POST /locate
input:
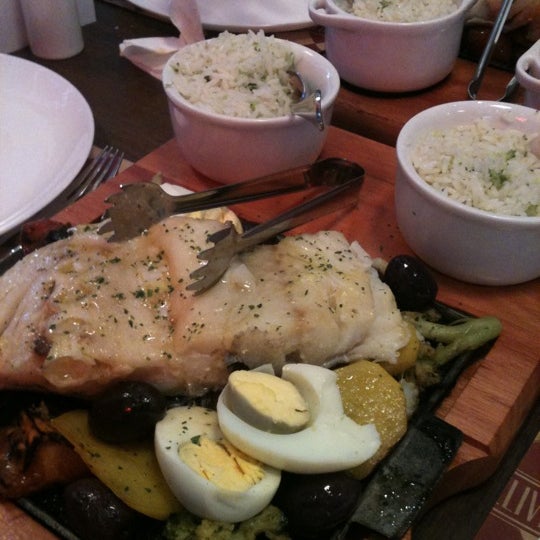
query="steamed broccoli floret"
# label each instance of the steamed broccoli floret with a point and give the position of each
(450, 340)
(269, 524)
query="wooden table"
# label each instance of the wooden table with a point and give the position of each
(130, 112)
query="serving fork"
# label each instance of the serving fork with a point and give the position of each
(151, 204)
(228, 242)
(99, 169)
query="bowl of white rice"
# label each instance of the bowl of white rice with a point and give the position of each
(467, 191)
(391, 45)
(230, 103)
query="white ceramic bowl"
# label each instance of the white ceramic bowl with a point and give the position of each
(390, 56)
(229, 149)
(458, 240)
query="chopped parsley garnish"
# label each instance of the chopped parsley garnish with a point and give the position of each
(498, 178)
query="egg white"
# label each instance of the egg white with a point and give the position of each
(331, 441)
(196, 493)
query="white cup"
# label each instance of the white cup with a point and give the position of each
(528, 75)
(87, 11)
(12, 29)
(53, 28)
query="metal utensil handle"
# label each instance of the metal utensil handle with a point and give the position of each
(476, 81)
(325, 203)
(311, 109)
(329, 171)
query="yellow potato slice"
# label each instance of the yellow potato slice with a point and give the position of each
(371, 395)
(131, 470)
(407, 355)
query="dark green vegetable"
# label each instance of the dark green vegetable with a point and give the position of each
(498, 178)
(449, 341)
(128, 411)
(269, 524)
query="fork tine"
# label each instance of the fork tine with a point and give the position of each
(200, 272)
(214, 238)
(88, 173)
(218, 258)
(108, 170)
(210, 273)
(104, 166)
(203, 284)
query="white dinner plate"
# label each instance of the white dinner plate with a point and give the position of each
(242, 15)
(46, 134)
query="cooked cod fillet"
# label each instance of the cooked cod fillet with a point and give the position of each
(81, 313)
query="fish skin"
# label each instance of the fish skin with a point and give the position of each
(82, 313)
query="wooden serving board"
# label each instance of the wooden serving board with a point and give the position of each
(491, 400)
(493, 397)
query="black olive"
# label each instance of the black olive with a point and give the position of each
(413, 286)
(63, 231)
(316, 504)
(127, 411)
(93, 511)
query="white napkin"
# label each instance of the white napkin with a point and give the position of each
(151, 54)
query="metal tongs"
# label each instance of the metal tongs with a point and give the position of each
(139, 206)
(476, 81)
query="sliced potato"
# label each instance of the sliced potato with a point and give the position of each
(407, 355)
(131, 470)
(371, 395)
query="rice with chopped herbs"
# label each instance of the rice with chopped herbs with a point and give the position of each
(237, 75)
(404, 11)
(490, 168)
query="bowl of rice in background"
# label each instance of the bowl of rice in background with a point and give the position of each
(229, 101)
(467, 191)
(389, 45)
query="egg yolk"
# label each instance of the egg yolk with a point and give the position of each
(267, 402)
(221, 463)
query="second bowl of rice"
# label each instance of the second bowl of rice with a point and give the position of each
(391, 46)
(229, 100)
(467, 191)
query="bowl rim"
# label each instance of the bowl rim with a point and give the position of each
(414, 126)
(347, 17)
(237, 121)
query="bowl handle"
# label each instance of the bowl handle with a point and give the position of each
(529, 62)
(323, 14)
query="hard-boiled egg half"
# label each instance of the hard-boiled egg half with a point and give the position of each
(210, 477)
(313, 435)
(226, 466)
